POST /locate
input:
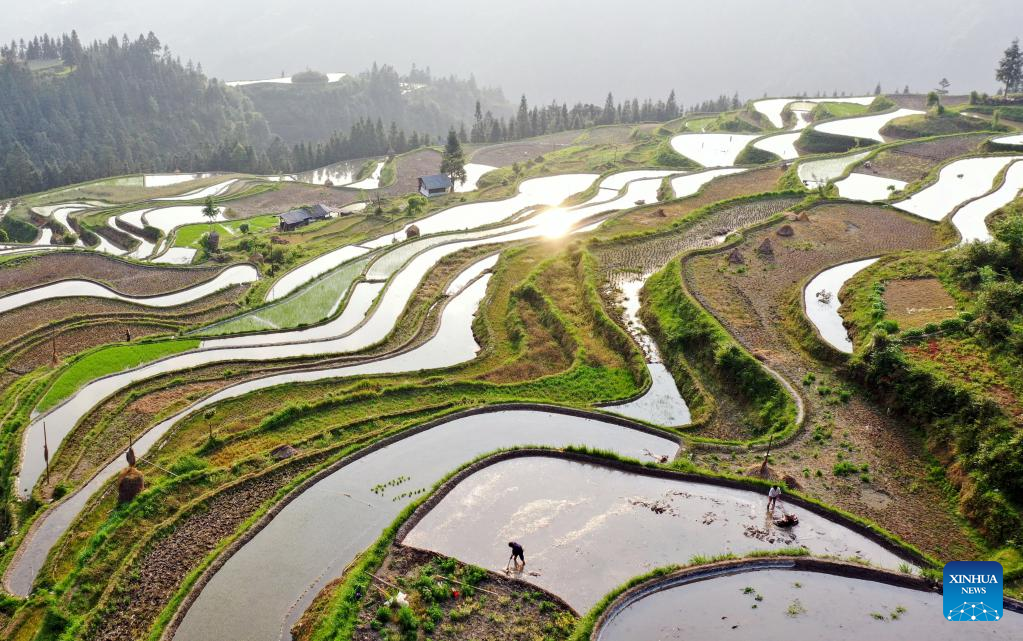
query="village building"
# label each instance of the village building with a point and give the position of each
(435, 185)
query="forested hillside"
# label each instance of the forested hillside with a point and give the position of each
(110, 108)
(71, 113)
(311, 111)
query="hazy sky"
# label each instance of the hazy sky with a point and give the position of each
(571, 49)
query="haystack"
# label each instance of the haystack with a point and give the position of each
(802, 217)
(282, 452)
(766, 248)
(786, 231)
(412, 232)
(130, 485)
(736, 257)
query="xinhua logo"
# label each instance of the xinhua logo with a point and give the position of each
(972, 591)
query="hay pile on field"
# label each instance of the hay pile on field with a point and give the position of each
(130, 485)
(766, 248)
(282, 452)
(786, 231)
(736, 257)
(412, 232)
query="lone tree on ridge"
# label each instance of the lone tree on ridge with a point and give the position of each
(453, 162)
(1010, 68)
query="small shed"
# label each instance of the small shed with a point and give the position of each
(435, 185)
(301, 217)
(293, 219)
(320, 211)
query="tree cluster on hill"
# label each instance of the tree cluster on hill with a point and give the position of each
(120, 106)
(417, 101)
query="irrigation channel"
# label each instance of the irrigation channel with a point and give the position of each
(781, 600)
(360, 325)
(262, 589)
(402, 267)
(588, 528)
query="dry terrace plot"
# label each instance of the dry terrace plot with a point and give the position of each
(913, 161)
(409, 167)
(731, 186)
(28, 321)
(290, 195)
(124, 277)
(505, 154)
(917, 302)
(754, 300)
(487, 605)
(918, 101)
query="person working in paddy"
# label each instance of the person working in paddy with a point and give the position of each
(518, 554)
(772, 497)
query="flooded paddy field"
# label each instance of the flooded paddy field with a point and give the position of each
(588, 528)
(780, 604)
(264, 586)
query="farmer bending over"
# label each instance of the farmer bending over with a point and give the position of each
(518, 554)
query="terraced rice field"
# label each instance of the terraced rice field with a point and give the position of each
(287, 405)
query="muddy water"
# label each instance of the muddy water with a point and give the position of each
(549, 190)
(958, 182)
(712, 150)
(971, 219)
(342, 173)
(824, 313)
(453, 343)
(316, 267)
(781, 145)
(772, 107)
(62, 419)
(266, 585)
(818, 172)
(587, 529)
(823, 606)
(373, 182)
(165, 180)
(662, 404)
(473, 172)
(863, 126)
(218, 189)
(1009, 140)
(867, 187)
(73, 288)
(690, 183)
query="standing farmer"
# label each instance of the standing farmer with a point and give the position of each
(518, 554)
(772, 497)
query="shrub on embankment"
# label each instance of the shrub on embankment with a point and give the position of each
(751, 155)
(812, 141)
(967, 419)
(987, 449)
(684, 329)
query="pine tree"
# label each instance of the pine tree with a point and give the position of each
(453, 161)
(522, 118)
(671, 107)
(1010, 68)
(609, 113)
(877, 89)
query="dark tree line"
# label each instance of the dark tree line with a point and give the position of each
(121, 106)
